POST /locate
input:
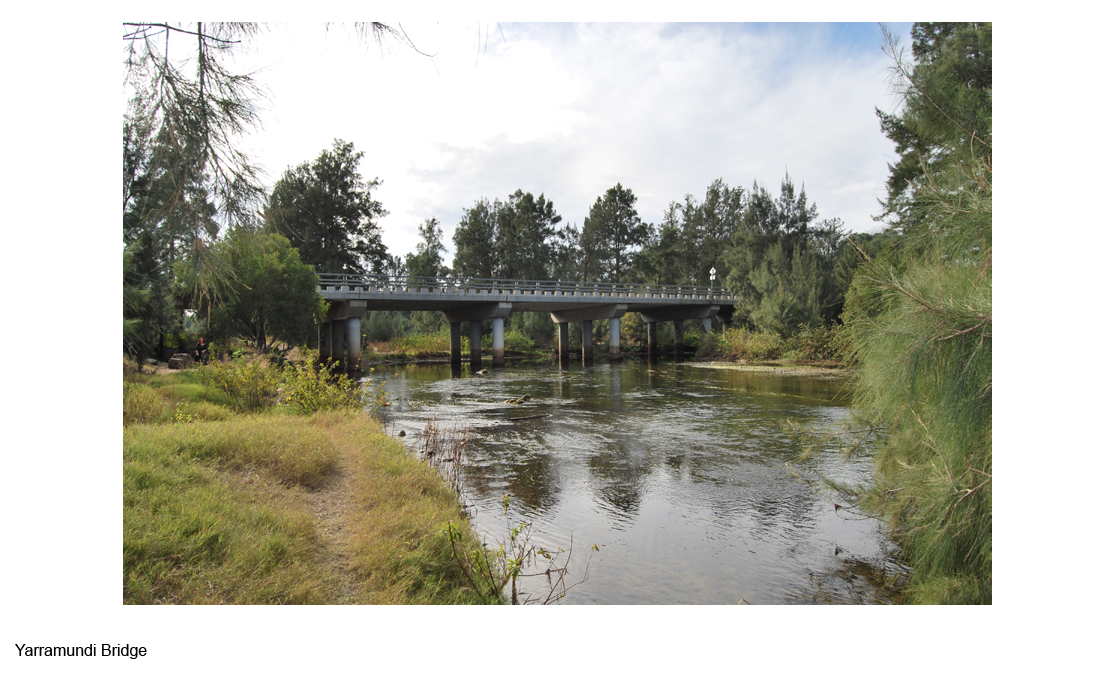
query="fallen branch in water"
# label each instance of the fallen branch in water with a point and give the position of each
(527, 418)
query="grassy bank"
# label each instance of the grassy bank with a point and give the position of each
(277, 506)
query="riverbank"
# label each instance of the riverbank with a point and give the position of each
(276, 507)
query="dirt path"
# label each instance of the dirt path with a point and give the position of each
(331, 507)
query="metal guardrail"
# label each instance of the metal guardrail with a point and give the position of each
(500, 286)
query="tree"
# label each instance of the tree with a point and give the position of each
(327, 211)
(780, 264)
(184, 176)
(475, 239)
(524, 237)
(426, 260)
(276, 304)
(919, 312)
(613, 233)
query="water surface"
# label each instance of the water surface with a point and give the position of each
(677, 472)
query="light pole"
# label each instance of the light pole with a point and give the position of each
(711, 279)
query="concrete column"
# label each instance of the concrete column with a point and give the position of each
(613, 339)
(353, 363)
(324, 342)
(497, 342)
(563, 342)
(455, 344)
(586, 340)
(474, 342)
(652, 339)
(338, 349)
(706, 325)
(679, 339)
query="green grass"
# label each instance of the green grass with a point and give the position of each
(223, 510)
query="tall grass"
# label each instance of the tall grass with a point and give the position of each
(219, 512)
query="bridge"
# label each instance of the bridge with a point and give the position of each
(473, 300)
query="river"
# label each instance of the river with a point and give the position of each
(682, 475)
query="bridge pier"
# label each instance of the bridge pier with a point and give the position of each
(586, 341)
(706, 325)
(353, 363)
(497, 342)
(337, 348)
(497, 311)
(613, 339)
(474, 342)
(563, 342)
(679, 339)
(652, 339)
(455, 344)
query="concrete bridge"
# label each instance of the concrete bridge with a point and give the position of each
(473, 300)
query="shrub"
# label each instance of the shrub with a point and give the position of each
(818, 343)
(249, 382)
(514, 341)
(307, 388)
(739, 344)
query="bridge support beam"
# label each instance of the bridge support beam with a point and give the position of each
(563, 342)
(324, 341)
(497, 342)
(338, 348)
(455, 344)
(706, 325)
(586, 341)
(679, 339)
(353, 363)
(652, 339)
(474, 342)
(613, 339)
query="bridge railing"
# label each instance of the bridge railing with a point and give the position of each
(502, 286)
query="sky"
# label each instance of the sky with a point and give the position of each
(570, 110)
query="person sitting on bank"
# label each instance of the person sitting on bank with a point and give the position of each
(201, 350)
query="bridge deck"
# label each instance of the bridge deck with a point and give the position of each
(397, 293)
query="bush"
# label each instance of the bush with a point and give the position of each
(739, 344)
(250, 383)
(308, 388)
(514, 341)
(819, 343)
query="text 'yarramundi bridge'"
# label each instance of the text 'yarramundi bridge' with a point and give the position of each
(475, 299)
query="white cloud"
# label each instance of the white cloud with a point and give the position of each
(570, 110)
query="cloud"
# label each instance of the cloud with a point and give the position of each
(572, 109)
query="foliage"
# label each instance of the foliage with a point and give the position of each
(781, 265)
(919, 313)
(514, 341)
(740, 344)
(507, 239)
(327, 211)
(611, 236)
(249, 382)
(309, 388)
(525, 228)
(274, 302)
(819, 342)
(425, 262)
(475, 240)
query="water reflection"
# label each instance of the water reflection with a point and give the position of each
(676, 471)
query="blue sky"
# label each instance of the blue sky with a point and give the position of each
(570, 110)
